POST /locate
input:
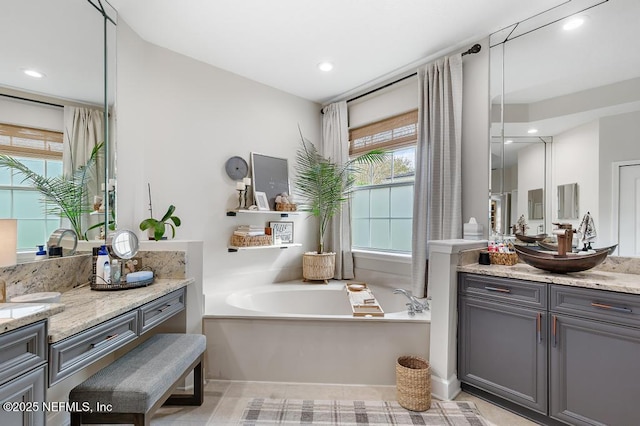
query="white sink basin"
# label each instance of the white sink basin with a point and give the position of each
(44, 297)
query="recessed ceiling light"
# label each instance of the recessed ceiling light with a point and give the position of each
(508, 141)
(531, 131)
(325, 66)
(573, 23)
(33, 73)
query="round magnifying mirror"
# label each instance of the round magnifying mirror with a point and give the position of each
(124, 243)
(64, 238)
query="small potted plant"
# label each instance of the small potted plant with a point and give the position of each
(324, 186)
(156, 228)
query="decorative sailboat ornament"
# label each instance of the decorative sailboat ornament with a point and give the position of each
(587, 230)
(521, 225)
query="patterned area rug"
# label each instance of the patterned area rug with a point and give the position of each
(260, 411)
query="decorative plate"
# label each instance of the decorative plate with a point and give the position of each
(236, 168)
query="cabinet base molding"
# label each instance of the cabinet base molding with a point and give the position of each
(445, 389)
(510, 406)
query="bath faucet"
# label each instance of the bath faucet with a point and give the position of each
(414, 304)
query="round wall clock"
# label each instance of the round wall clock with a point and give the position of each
(236, 168)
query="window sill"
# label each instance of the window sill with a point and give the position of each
(382, 256)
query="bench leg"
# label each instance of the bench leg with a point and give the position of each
(198, 390)
(137, 419)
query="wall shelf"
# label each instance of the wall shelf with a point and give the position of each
(243, 211)
(233, 249)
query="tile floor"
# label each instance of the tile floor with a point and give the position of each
(224, 402)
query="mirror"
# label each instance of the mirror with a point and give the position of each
(568, 201)
(65, 239)
(72, 43)
(535, 204)
(124, 243)
(579, 92)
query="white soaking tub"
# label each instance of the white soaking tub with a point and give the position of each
(300, 332)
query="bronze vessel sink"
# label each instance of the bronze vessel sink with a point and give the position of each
(554, 247)
(530, 238)
(571, 262)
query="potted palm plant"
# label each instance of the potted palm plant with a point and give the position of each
(64, 195)
(324, 186)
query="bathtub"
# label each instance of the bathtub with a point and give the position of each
(299, 332)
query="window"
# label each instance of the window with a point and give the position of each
(382, 201)
(41, 151)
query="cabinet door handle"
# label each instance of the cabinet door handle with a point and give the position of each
(539, 327)
(105, 341)
(168, 305)
(501, 290)
(553, 330)
(612, 308)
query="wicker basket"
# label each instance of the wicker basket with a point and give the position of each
(508, 259)
(247, 241)
(318, 266)
(413, 383)
(281, 207)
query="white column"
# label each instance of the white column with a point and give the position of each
(442, 288)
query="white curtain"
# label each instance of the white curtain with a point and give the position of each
(83, 130)
(437, 206)
(335, 145)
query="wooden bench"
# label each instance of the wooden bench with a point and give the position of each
(131, 388)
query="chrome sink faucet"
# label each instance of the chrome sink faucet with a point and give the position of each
(414, 304)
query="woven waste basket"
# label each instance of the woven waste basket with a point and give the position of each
(413, 383)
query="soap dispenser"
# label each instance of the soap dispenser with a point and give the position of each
(41, 254)
(103, 266)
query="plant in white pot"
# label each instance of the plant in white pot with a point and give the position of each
(324, 186)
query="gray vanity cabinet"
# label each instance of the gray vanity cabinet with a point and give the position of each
(502, 340)
(23, 358)
(594, 355)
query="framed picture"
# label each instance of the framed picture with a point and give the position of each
(282, 230)
(270, 175)
(261, 201)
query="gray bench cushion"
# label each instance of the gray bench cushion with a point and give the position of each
(134, 382)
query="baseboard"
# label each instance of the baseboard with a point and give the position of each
(445, 390)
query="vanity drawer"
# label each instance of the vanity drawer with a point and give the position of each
(520, 292)
(153, 313)
(22, 349)
(620, 308)
(74, 353)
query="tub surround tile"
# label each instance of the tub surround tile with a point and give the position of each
(469, 257)
(85, 308)
(164, 264)
(16, 315)
(593, 278)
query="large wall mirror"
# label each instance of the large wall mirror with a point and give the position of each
(73, 43)
(566, 111)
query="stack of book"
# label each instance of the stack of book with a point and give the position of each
(249, 230)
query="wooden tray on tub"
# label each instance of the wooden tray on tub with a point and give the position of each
(363, 302)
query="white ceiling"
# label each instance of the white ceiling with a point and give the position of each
(280, 42)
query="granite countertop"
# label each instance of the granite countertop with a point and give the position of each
(593, 278)
(16, 315)
(84, 308)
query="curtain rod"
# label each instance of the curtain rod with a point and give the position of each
(472, 50)
(20, 98)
